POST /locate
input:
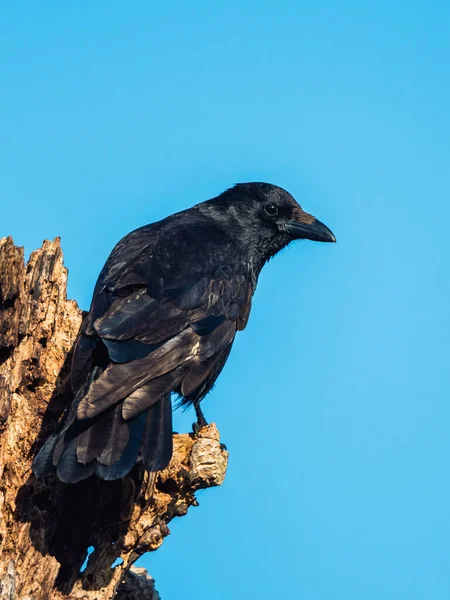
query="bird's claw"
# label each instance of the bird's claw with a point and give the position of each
(198, 425)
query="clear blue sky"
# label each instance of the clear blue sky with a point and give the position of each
(335, 402)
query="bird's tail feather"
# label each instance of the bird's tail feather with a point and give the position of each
(156, 447)
(68, 469)
(43, 461)
(127, 459)
(107, 445)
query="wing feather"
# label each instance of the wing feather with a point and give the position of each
(119, 380)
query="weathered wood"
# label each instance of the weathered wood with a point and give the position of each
(45, 526)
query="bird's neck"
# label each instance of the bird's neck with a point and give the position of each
(262, 250)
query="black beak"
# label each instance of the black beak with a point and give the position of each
(315, 231)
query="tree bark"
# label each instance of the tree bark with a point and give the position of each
(46, 527)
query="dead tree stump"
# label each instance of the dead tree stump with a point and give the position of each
(46, 526)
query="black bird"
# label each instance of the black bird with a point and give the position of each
(165, 311)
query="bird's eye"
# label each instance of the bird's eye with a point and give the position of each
(271, 210)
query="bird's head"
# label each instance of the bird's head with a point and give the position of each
(265, 218)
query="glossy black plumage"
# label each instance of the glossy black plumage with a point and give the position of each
(165, 311)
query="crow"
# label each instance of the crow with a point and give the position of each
(165, 311)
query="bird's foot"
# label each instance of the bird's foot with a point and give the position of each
(201, 421)
(198, 425)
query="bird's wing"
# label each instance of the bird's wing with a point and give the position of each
(167, 318)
